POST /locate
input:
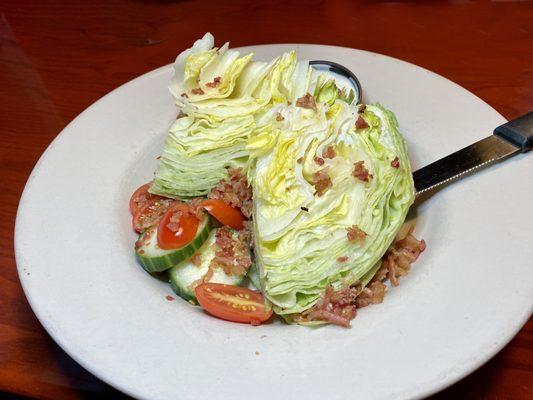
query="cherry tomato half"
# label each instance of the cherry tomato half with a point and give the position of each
(176, 234)
(224, 213)
(150, 213)
(232, 303)
(140, 197)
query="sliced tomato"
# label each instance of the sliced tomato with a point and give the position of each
(150, 213)
(224, 213)
(171, 237)
(232, 303)
(140, 197)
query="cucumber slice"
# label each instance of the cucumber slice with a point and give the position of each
(184, 275)
(155, 259)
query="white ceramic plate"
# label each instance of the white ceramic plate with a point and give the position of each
(466, 297)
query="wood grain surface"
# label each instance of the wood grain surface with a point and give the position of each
(58, 57)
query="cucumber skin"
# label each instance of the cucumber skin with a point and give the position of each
(182, 293)
(167, 261)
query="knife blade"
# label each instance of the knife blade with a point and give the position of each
(507, 140)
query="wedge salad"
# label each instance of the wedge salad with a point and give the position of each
(275, 193)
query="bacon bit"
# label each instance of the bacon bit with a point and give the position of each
(361, 109)
(322, 182)
(372, 294)
(398, 259)
(174, 224)
(235, 191)
(307, 101)
(304, 209)
(360, 172)
(279, 117)
(196, 208)
(158, 158)
(184, 95)
(153, 213)
(300, 160)
(231, 255)
(342, 259)
(329, 153)
(361, 123)
(215, 82)
(319, 161)
(334, 307)
(141, 251)
(248, 228)
(197, 91)
(355, 234)
(395, 163)
(197, 259)
(169, 298)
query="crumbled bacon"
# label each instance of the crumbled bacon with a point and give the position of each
(169, 298)
(342, 259)
(319, 161)
(300, 160)
(184, 95)
(197, 91)
(329, 153)
(372, 294)
(395, 163)
(215, 82)
(361, 172)
(321, 181)
(248, 228)
(174, 223)
(235, 191)
(361, 109)
(336, 307)
(231, 255)
(279, 117)
(355, 234)
(196, 208)
(307, 101)
(152, 212)
(361, 123)
(397, 261)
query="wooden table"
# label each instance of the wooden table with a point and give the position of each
(58, 57)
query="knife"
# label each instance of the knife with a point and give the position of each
(507, 140)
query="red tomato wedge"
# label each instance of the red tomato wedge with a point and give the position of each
(140, 197)
(224, 213)
(232, 303)
(150, 213)
(177, 227)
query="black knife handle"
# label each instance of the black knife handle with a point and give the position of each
(518, 132)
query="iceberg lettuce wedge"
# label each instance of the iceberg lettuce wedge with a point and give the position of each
(299, 235)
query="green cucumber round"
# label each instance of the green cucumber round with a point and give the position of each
(184, 275)
(155, 259)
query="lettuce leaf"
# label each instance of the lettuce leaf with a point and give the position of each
(222, 96)
(299, 235)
